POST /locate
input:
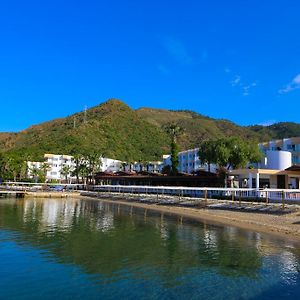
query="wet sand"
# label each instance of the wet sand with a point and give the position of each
(286, 225)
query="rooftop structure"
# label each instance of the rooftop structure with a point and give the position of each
(291, 145)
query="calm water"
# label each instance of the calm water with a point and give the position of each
(81, 249)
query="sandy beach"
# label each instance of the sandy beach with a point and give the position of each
(285, 225)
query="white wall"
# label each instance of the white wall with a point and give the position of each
(110, 165)
(278, 160)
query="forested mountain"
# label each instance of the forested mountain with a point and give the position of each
(277, 131)
(115, 130)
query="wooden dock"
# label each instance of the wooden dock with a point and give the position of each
(15, 194)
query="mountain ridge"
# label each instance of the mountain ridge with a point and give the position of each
(115, 130)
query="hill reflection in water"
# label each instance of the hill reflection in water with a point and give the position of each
(118, 251)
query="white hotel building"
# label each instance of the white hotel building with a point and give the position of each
(291, 145)
(189, 162)
(277, 156)
(279, 167)
(56, 162)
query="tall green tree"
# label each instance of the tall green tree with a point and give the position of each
(14, 167)
(207, 152)
(231, 152)
(3, 166)
(174, 131)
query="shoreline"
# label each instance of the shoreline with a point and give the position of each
(285, 226)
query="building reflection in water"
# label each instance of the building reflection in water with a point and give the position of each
(191, 243)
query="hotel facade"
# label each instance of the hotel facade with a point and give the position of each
(189, 162)
(291, 145)
(279, 168)
(58, 164)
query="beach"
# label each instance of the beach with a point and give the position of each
(282, 225)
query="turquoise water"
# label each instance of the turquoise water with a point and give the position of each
(85, 249)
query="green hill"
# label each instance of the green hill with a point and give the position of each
(277, 131)
(112, 129)
(196, 127)
(115, 130)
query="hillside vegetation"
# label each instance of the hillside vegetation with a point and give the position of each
(115, 130)
(277, 131)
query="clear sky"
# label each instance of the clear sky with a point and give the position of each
(232, 59)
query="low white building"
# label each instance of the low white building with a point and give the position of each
(276, 170)
(110, 165)
(189, 162)
(150, 166)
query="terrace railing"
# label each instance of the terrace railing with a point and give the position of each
(235, 194)
(261, 195)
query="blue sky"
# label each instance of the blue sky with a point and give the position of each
(237, 60)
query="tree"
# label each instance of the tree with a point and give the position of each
(241, 152)
(13, 166)
(93, 164)
(174, 158)
(230, 152)
(78, 161)
(174, 130)
(3, 166)
(84, 172)
(44, 168)
(66, 171)
(207, 152)
(36, 173)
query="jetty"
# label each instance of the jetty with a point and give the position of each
(15, 194)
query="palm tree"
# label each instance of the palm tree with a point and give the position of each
(66, 171)
(35, 173)
(94, 165)
(174, 130)
(78, 161)
(44, 168)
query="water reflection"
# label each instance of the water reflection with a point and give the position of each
(113, 243)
